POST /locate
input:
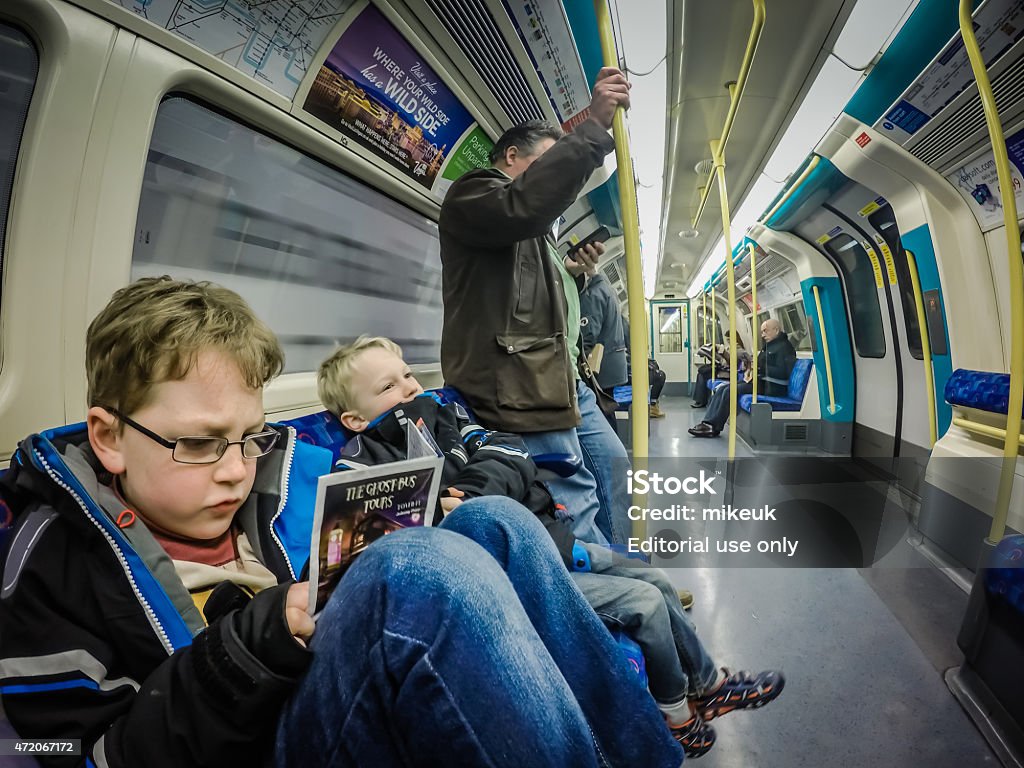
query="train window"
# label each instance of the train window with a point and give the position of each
(861, 293)
(884, 221)
(320, 256)
(670, 337)
(19, 64)
(794, 323)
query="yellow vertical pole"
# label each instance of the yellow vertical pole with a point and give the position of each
(825, 352)
(718, 155)
(756, 326)
(1009, 202)
(634, 268)
(704, 313)
(714, 334)
(926, 348)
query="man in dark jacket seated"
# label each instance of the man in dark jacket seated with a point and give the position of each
(775, 363)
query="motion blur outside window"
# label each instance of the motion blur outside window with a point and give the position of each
(320, 256)
(19, 64)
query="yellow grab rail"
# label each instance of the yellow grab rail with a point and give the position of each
(735, 94)
(824, 349)
(789, 192)
(714, 333)
(926, 349)
(634, 269)
(1009, 202)
(984, 429)
(718, 153)
(704, 313)
(754, 324)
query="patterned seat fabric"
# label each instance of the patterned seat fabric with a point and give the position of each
(983, 390)
(1005, 575)
(623, 395)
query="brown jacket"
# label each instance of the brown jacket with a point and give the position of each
(503, 344)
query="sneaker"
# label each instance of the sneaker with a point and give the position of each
(741, 691)
(655, 412)
(685, 598)
(696, 736)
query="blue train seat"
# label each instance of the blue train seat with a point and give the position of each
(623, 396)
(1004, 578)
(981, 390)
(794, 399)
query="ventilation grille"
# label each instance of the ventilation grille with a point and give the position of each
(473, 28)
(767, 266)
(611, 271)
(793, 433)
(962, 124)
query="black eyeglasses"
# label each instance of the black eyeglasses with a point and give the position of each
(205, 449)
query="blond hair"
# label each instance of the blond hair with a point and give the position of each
(154, 330)
(334, 380)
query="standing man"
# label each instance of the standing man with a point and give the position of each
(511, 309)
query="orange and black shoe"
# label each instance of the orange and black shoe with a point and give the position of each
(696, 736)
(741, 690)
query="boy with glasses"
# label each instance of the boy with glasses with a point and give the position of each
(149, 607)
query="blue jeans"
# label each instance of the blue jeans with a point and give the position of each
(638, 598)
(439, 649)
(718, 409)
(595, 497)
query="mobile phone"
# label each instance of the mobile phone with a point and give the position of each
(597, 236)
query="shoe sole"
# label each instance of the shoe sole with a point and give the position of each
(726, 707)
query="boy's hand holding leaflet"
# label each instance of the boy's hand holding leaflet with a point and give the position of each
(356, 507)
(450, 499)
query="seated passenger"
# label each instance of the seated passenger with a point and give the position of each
(430, 651)
(656, 377)
(368, 386)
(721, 369)
(775, 363)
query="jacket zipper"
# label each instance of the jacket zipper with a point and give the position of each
(150, 613)
(285, 477)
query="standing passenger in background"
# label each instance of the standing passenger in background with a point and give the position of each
(656, 377)
(511, 309)
(602, 334)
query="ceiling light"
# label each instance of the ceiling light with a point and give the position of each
(689, 234)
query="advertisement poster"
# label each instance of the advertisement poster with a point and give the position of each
(998, 24)
(544, 30)
(978, 183)
(375, 89)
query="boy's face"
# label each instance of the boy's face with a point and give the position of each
(194, 501)
(380, 381)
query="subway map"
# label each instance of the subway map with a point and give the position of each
(272, 41)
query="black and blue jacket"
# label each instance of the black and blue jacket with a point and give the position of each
(477, 461)
(100, 640)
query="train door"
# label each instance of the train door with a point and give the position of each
(874, 222)
(670, 341)
(879, 383)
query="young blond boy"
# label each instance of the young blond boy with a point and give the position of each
(148, 605)
(374, 394)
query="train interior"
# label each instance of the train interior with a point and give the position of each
(866, 218)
